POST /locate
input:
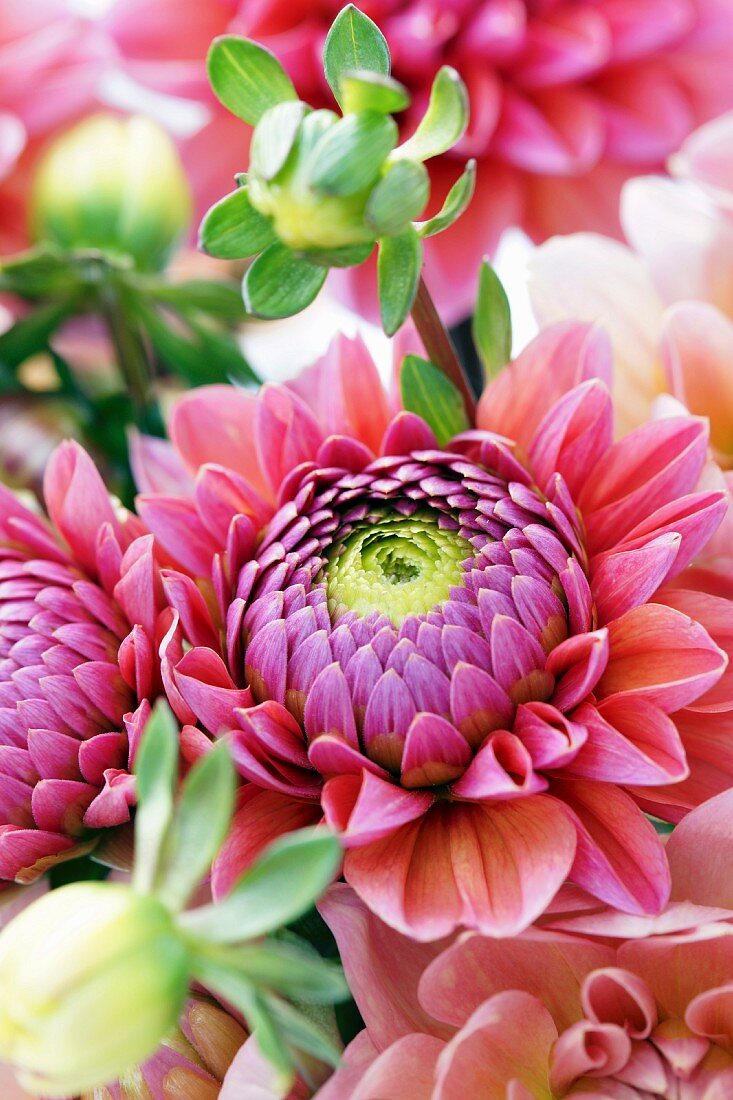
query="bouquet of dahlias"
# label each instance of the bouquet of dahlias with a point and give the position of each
(368, 734)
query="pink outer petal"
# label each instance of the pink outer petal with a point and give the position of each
(216, 424)
(78, 502)
(261, 817)
(560, 358)
(286, 433)
(366, 808)
(412, 1058)
(203, 681)
(507, 1042)
(252, 1076)
(614, 996)
(383, 968)
(588, 1049)
(619, 858)
(678, 916)
(489, 867)
(574, 434)
(157, 467)
(549, 965)
(700, 854)
(715, 614)
(711, 1015)
(358, 1056)
(628, 578)
(661, 655)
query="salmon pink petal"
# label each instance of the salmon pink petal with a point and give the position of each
(205, 685)
(333, 756)
(157, 467)
(502, 768)
(503, 1049)
(574, 434)
(269, 749)
(551, 739)
(261, 817)
(548, 965)
(412, 1058)
(700, 857)
(561, 357)
(367, 808)
(715, 614)
(356, 1059)
(619, 857)
(286, 433)
(678, 968)
(178, 529)
(383, 968)
(614, 996)
(629, 741)
(493, 868)
(77, 501)
(588, 1049)
(661, 655)
(184, 595)
(627, 578)
(221, 495)
(111, 806)
(435, 752)
(578, 664)
(711, 1015)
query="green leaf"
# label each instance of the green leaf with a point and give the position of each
(303, 1033)
(31, 333)
(443, 123)
(365, 91)
(279, 887)
(40, 272)
(156, 771)
(213, 297)
(200, 823)
(247, 78)
(429, 393)
(455, 203)
(398, 273)
(350, 255)
(349, 156)
(198, 354)
(232, 228)
(354, 43)
(294, 971)
(399, 197)
(274, 137)
(279, 283)
(492, 322)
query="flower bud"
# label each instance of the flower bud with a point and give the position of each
(92, 977)
(114, 184)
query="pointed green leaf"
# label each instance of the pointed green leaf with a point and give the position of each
(156, 772)
(398, 273)
(233, 229)
(39, 272)
(200, 823)
(31, 333)
(279, 284)
(349, 157)
(455, 203)
(429, 393)
(354, 43)
(285, 881)
(350, 256)
(443, 123)
(213, 297)
(399, 197)
(274, 137)
(492, 322)
(367, 91)
(247, 78)
(305, 1033)
(290, 969)
(196, 352)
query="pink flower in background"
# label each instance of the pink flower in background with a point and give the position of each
(79, 602)
(471, 659)
(51, 62)
(569, 98)
(667, 300)
(630, 1009)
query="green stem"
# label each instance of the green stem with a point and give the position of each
(132, 359)
(439, 347)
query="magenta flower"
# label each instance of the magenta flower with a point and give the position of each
(51, 60)
(568, 98)
(591, 1005)
(461, 656)
(79, 601)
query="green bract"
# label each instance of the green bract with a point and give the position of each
(322, 189)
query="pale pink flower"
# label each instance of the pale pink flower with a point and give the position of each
(51, 62)
(569, 97)
(80, 598)
(589, 1005)
(496, 732)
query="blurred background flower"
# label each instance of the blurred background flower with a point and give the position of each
(568, 98)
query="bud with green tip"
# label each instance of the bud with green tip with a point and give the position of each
(113, 184)
(322, 189)
(91, 977)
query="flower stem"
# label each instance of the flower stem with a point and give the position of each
(130, 353)
(439, 347)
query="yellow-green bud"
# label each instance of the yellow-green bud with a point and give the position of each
(92, 977)
(114, 184)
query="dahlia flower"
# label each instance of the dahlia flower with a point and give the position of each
(667, 298)
(79, 600)
(461, 656)
(51, 60)
(634, 1010)
(568, 99)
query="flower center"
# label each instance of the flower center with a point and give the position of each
(397, 566)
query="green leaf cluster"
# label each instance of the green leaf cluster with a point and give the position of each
(323, 191)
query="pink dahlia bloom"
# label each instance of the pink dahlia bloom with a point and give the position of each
(635, 1009)
(667, 298)
(79, 602)
(51, 61)
(471, 659)
(569, 97)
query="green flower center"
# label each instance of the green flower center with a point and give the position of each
(397, 565)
